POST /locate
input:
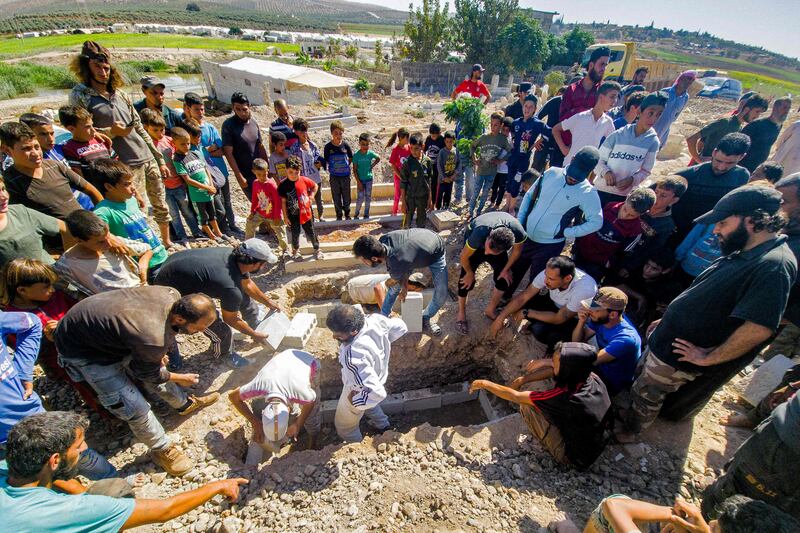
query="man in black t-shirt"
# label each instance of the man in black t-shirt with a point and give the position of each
(241, 142)
(224, 273)
(764, 132)
(515, 110)
(488, 239)
(728, 312)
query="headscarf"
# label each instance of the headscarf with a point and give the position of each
(685, 74)
(576, 362)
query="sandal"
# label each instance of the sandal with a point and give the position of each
(462, 327)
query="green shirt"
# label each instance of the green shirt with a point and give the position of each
(22, 236)
(713, 133)
(490, 147)
(124, 219)
(363, 163)
(193, 165)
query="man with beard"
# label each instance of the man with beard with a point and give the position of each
(581, 96)
(114, 337)
(473, 86)
(242, 143)
(43, 449)
(364, 350)
(729, 310)
(764, 132)
(224, 273)
(153, 91)
(702, 143)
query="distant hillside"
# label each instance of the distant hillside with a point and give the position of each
(36, 15)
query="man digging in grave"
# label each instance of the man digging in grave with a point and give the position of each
(402, 251)
(224, 273)
(289, 383)
(111, 338)
(364, 350)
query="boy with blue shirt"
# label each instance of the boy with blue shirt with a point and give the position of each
(527, 132)
(618, 342)
(338, 157)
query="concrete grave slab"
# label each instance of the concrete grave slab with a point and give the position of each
(444, 219)
(382, 219)
(457, 393)
(421, 399)
(275, 326)
(340, 260)
(766, 377)
(381, 207)
(300, 330)
(380, 191)
(393, 404)
(411, 312)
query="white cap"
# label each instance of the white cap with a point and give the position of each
(275, 420)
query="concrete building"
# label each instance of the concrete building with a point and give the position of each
(265, 81)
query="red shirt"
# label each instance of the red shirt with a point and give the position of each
(79, 155)
(398, 157)
(574, 100)
(600, 247)
(167, 149)
(53, 309)
(474, 88)
(298, 200)
(266, 201)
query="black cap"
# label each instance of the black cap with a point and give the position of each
(583, 163)
(477, 66)
(524, 87)
(192, 98)
(744, 201)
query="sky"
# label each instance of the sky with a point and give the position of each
(772, 24)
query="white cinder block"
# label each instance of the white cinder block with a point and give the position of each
(443, 219)
(275, 326)
(766, 377)
(300, 331)
(411, 312)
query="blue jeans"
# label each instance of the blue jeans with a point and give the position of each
(178, 204)
(439, 274)
(364, 195)
(483, 184)
(94, 466)
(465, 184)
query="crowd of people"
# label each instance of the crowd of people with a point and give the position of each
(647, 295)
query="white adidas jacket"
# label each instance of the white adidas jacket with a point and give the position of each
(365, 361)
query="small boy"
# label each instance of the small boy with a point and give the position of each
(448, 162)
(278, 157)
(769, 171)
(621, 228)
(433, 143)
(590, 127)
(416, 174)
(488, 151)
(174, 187)
(500, 179)
(338, 156)
(296, 192)
(364, 162)
(631, 109)
(40, 184)
(121, 212)
(265, 207)
(310, 159)
(85, 145)
(191, 167)
(92, 266)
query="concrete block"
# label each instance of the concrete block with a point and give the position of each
(326, 247)
(444, 219)
(411, 312)
(457, 393)
(381, 207)
(275, 326)
(488, 409)
(300, 331)
(382, 219)
(427, 296)
(329, 410)
(766, 377)
(255, 454)
(319, 310)
(339, 260)
(380, 191)
(393, 404)
(421, 399)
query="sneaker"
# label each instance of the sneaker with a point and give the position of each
(297, 256)
(171, 459)
(237, 361)
(318, 254)
(339, 217)
(347, 217)
(431, 327)
(366, 216)
(198, 402)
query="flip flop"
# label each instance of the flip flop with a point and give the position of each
(462, 327)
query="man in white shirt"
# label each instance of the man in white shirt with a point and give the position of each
(364, 350)
(371, 288)
(290, 384)
(588, 128)
(551, 302)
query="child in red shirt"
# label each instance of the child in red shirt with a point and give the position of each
(400, 153)
(85, 145)
(621, 229)
(296, 192)
(265, 205)
(27, 287)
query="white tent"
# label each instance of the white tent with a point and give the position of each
(265, 81)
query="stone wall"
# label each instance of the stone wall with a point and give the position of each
(380, 80)
(433, 77)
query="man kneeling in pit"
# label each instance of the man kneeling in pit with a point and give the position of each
(370, 289)
(289, 383)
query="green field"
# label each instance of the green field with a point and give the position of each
(12, 47)
(372, 29)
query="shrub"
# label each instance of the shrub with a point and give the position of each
(554, 80)
(362, 85)
(467, 112)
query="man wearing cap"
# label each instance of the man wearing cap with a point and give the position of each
(488, 239)
(224, 273)
(618, 342)
(365, 344)
(581, 95)
(289, 383)
(100, 92)
(727, 313)
(561, 205)
(473, 86)
(551, 302)
(677, 97)
(153, 91)
(515, 110)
